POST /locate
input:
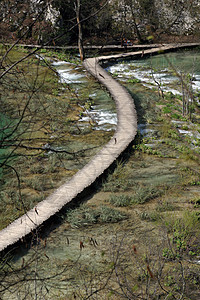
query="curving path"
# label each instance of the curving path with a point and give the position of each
(125, 133)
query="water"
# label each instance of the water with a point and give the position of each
(99, 111)
(58, 256)
(162, 70)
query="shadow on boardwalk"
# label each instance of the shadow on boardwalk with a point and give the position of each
(83, 179)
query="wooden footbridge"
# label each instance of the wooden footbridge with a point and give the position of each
(124, 134)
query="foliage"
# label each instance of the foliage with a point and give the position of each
(163, 206)
(184, 234)
(147, 19)
(37, 142)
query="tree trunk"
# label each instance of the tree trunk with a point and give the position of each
(140, 39)
(80, 36)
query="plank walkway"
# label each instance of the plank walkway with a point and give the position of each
(124, 134)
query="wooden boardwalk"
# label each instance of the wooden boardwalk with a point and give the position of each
(125, 133)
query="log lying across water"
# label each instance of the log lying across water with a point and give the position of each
(124, 135)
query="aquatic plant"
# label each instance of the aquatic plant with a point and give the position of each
(144, 194)
(86, 215)
(120, 200)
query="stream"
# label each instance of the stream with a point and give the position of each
(100, 109)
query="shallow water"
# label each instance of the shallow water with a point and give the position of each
(162, 69)
(160, 73)
(100, 112)
(59, 253)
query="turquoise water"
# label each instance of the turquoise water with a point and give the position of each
(185, 61)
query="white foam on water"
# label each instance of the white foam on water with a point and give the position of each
(60, 63)
(185, 132)
(148, 77)
(66, 76)
(101, 118)
(117, 68)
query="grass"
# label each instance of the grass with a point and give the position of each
(121, 200)
(133, 80)
(150, 216)
(119, 180)
(145, 194)
(85, 215)
(165, 206)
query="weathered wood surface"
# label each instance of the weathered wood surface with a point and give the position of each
(125, 133)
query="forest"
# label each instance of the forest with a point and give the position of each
(49, 22)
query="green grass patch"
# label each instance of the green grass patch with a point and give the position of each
(145, 194)
(165, 206)
(166, 110)
(120, 200)
(133, 80)
(85, 215)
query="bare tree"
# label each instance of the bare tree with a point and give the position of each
(80, 34)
